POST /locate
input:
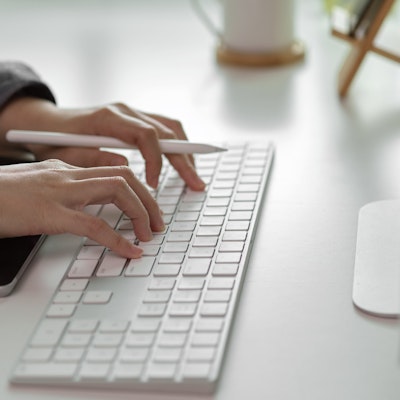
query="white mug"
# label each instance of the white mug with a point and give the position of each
(253, 26)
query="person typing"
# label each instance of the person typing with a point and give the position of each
(48, 196)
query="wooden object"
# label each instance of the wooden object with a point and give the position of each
(293, 53)
(360, 47)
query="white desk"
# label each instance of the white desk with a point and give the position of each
(297, 334)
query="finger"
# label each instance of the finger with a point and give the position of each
(94, 228)
(186, 171)
(183, 163)
(140, 207)
(82, 157)
(170, 129)
(173, 125)
(153, 209)
(111, 121)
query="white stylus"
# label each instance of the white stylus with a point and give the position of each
(75, 140)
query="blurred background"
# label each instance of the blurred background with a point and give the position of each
(97, 51)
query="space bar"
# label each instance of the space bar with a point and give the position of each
(58, 371)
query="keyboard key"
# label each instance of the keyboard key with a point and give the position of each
(225, 269)
(97, 297)
(215, 211)
(212, 221)
(175, 247)
(134, 354)
(183, 309)
(152, 310)
(167, 355)
(109, 326)
(101, 355)
(48, 333)
(191, 284)
(209, 325)
(64, 354)
(37, 354)
(187, 216)
(61, 310)
(161, 371)
(214, 309)
(145, 325)
(240, 216)
(205, 241)
(208, 231)
(232, 236)
(201, 252)
(59, 371)
(82, 269)
(187, 296)
(140, 266)
(237, 226)
(217, 296)
(179, 237)
(74, 284)
(167, 270)
(193, 206)
(157, 296)
(221, 283)
(172, 340)
(171, 258)
(150, 250)
(231, 246)
(205, 339)
(83, 325)
(127, 372)
(194, 371)
(139, 339)
(162, 284)
(243, 206)
(157, 240)
(90, 253)
(218, 202)
(76, 339)
(204, 354)
(94, 371)
(107, 339)
(177, 325)
(65, 297)
(197, 267)
(228, 257)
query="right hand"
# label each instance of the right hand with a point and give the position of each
(49, 197)
(116, 120)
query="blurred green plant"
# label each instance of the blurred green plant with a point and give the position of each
(328, 4)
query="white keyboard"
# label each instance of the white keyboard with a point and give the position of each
(161, 322)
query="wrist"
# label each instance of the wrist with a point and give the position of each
(28, 113)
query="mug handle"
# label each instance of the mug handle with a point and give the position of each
(206, 19)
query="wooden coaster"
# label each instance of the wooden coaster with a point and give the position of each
(295, 52)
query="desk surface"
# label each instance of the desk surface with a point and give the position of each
(297, 333)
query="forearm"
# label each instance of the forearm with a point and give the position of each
(21, 86)
(19, 79)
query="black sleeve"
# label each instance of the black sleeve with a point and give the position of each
(18, 79)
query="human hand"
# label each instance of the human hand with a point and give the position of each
(49, 197)
(116, 120)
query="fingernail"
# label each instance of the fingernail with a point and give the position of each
(134, 251)
(153, 182)
(160, 227)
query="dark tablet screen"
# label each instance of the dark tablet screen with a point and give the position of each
(15, 252)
